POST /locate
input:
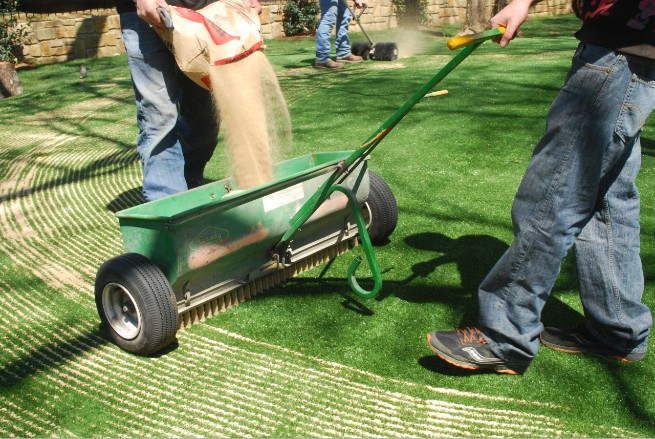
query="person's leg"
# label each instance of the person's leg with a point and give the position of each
(342, 42)
(198, 130)
(324, 30)
(555, 200)
(156, 87)
(608, 262)
(610, 276)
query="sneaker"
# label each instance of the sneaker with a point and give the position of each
(578, 340)
(467, 348)
(351, 58)
(329, 64)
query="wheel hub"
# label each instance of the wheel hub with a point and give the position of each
(121, 311)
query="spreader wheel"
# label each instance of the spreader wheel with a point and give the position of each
(136, 304)
(380, 210)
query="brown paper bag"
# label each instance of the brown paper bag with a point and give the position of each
(219, 33)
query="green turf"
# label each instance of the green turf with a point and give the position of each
(307, 358)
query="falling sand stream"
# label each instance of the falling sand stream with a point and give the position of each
(253, 117)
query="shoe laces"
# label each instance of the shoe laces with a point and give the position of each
(470, 335)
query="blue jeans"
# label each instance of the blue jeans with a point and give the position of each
(579, 191)
(332, 11)
(177, 126)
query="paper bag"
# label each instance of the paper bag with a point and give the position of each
(220, 33)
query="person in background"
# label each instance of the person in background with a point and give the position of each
(335, 11)
(578, 193)
(177, 128)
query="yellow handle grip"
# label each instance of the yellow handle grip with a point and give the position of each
(436, 93)
(465, 40)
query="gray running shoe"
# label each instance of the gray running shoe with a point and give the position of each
(578, 340)
(466, 348)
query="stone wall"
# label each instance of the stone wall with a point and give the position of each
(61, 37)
(442, 12)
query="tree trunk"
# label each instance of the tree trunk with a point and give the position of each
(9, 82)
(476, 17)
(412, 16)
(498, 6)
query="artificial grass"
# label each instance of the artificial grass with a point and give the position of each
(454, 164)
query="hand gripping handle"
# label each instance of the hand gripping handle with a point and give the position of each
(465, 40)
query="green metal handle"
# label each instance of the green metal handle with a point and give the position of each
(366, 245)
(358, 156)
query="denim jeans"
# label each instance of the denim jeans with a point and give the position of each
(332, 11)
(579, 191)
(177, 126)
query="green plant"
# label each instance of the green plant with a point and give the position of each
(300, 17)
(12, 34)
(411, 13)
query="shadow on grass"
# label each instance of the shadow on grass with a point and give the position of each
(53, 103)
(52, 355)
(437, 365)
(648, 147)
(127, 199)
(95, 170)
(474, 255)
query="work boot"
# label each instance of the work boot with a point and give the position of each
(329, 64)
(578, 340)
(466, 348)
(351, 59)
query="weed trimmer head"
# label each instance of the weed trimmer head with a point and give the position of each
(385, 51)
(362, 48)
(377, 51)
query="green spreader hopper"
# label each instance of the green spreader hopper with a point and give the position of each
(194, 254)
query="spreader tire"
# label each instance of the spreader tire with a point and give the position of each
(380, 209)
(136, 304)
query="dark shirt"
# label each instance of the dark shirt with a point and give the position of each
(624, 25)
(123, 6)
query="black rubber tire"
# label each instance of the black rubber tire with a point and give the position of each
(136, 304)
(382, 210)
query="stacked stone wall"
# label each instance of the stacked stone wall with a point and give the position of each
(61, 37)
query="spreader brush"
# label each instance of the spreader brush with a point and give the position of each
(238, 293)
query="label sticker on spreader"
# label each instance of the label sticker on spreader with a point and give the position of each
(283, 197)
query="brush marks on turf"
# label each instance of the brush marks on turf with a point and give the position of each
(53, 215)
(60, 378)
(223, 385)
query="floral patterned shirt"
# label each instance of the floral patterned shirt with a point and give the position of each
(624, 25)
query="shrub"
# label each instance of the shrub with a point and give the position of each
(300, 17)
(12, 34)
(411, 13)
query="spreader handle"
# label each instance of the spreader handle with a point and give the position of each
(465, 40)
